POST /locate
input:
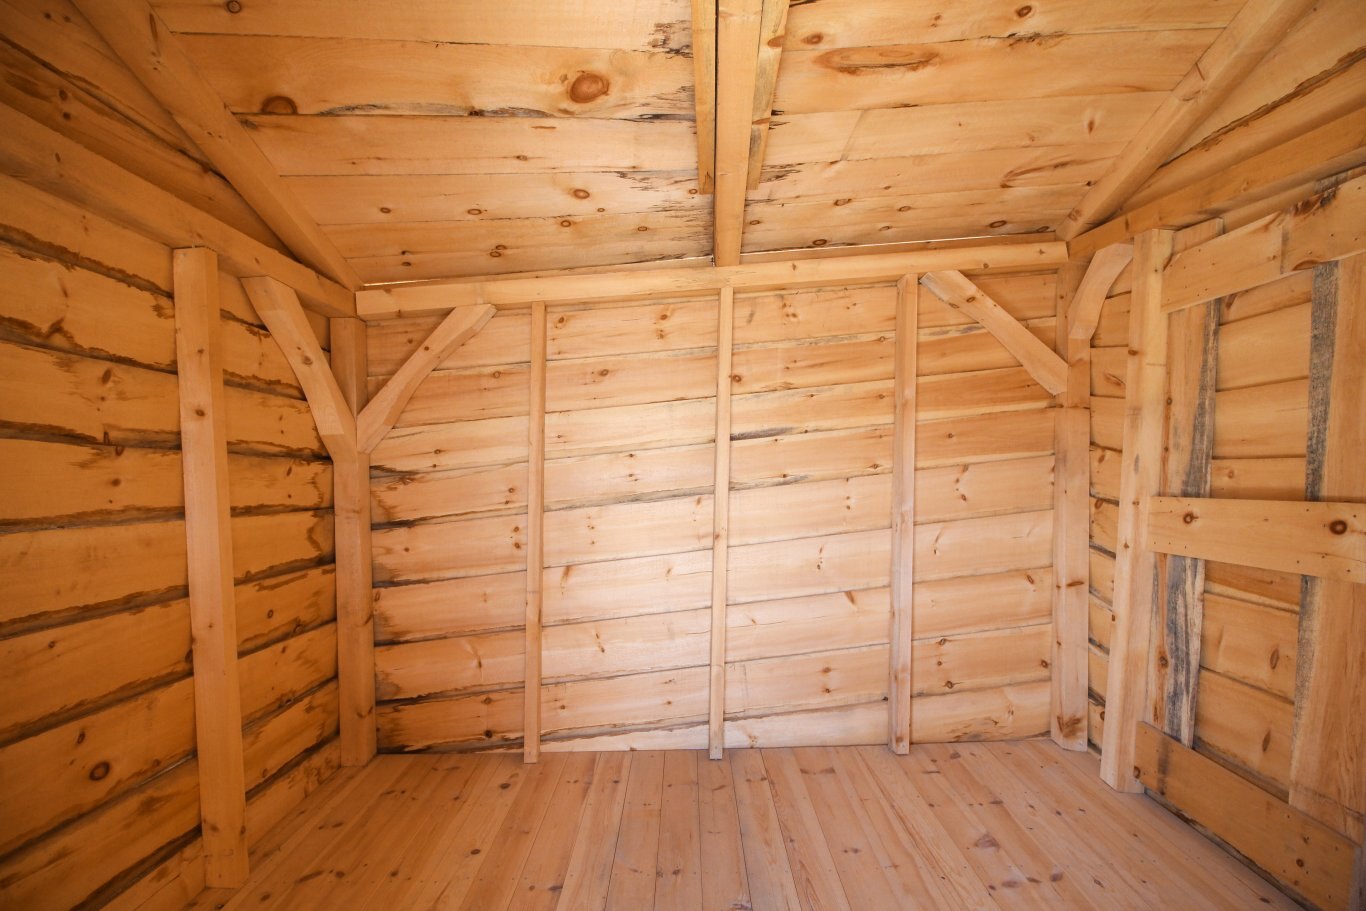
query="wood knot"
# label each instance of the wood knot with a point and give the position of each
(813, 38)
(99, 771)
(1024, 12)
(233, 6)
(581, 194)
(1188, 518)
(279, 104)
(588, 86)
(1338, 527)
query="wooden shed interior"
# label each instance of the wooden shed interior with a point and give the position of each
(682, 454)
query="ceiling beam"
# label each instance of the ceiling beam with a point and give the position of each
(704, 92)
(1253, 32)
(772, 33)
(149, 48)
(637, 284)
(737, 72)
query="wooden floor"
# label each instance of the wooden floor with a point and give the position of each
(983, 826)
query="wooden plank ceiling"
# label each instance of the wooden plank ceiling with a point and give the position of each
(440, 138)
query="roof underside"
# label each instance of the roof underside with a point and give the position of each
(432, 138)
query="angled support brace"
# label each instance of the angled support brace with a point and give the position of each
(954, 289)
(378, 417)
(1084, 315)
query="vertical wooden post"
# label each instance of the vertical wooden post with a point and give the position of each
(208, 534)
(716, 713)
(535, 539)
(355, 595)
(1328, 749)
(1175, 664)
(1140, 478)
(903, 514)
(1071, 527)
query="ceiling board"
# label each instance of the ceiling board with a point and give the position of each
(459, 197)
(987, 69)
(470, 145)
(351, 76)
(865, 23)
(630, 25)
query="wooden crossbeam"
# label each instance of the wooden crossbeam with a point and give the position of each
(155, 56)
(737, 72)
(900, 685)
(52, 162)
(1253, 32)
(1327, 226)
(1308, 538)
(379, 415)
(208, 543)
(956, 290)
(604, 287)
(1288, 844)
(1100, 276)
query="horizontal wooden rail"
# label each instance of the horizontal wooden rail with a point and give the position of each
(1314, 539)
(1294, 848)
(639, 284)
(1327, 226)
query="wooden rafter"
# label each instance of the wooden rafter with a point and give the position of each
(61, 166)
(378, 417)
(552, 288)
(737, 72)
(704, 92)
(155, 56)
(1254, 31)
(772, 31)
(956, 290)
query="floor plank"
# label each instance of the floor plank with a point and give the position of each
(951, 827)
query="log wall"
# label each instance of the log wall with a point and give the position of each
(101, 796)
(1252, 695)
(629, 485)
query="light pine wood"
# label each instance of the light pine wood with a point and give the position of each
(1326, 775)
(792, 274)
(774, 829)
(772, 32)
(209, 547)
(1311, 858)
(1140, 479)
(535, 541)
(738, 28)
(1326, 226)
(960, 293)
(379, 414)
(1324, 539)
(1071, 482)
(1256, 28)
(354, 583)
(1322, 152)
(279, 307)
(1084, 313)
(154, 54)
(903, 515)
(725, 333)
(704, 91)
(63, 167)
